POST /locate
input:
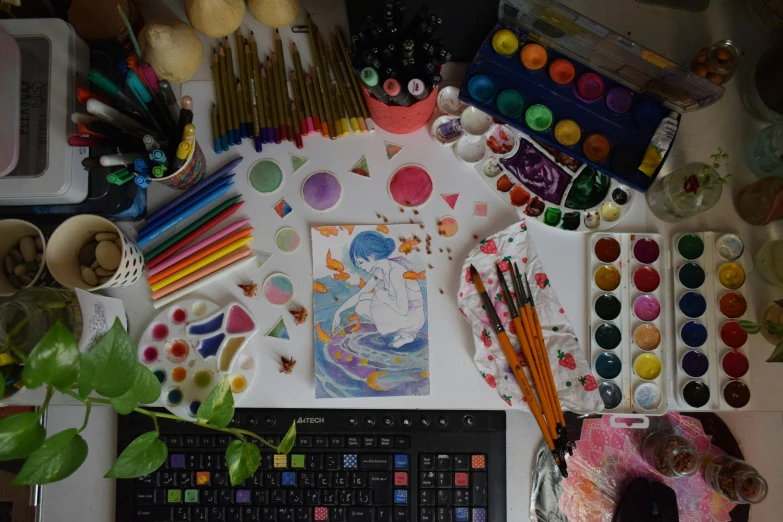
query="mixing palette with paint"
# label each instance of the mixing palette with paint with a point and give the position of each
(712, 352)
(628, 345)
(191, 345)
(569, 106)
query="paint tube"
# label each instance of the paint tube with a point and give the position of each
(660, 143)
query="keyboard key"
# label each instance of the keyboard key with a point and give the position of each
(444, 497)
(400, 478)
(216, 513)
(193, 461)
(179, 514)
(191, 496)
(277, 497)
(199, 514)
(426, 462)
(221, 480)
(385, 442)
(443, 479)
(340, 479)
(321, 514)
(353, 442)
(427, 479)
(304, 441)
(359, 479)
(304, 514)
(289, 478)
(174, 441)
(210, 461)
(312, 497)
(222, 441)
(306, 479)
(402, 442)
(266, 462)
(320, 441)
(177, 461)
(401, 461)
(173, 496)
(461, 497)
(268, 514)
(280, 461)
(226, 497)
(363, 497)
(329, 497)
(323, 479)
(478, 462)
(298, 461)
(274, 440)
(461, 514)
(332, 461)
(260, 497)
(461, 463)
(372, 462)
(478, 489)
(336, 441)
(314, 461)
(184, 479)
(401, 514)
(294, 497)
(479, 515)
(361, 514)
(443, 462)
(426, 515)
(243, 496)
(202, 478)
(426, 497)
(150, 480)
(286, 515)
(151, 513)
(271, 479)
(383, 514)
(209, 496)
(251, 514)
(191, 441)
(460, 480)
(338, 514)
(444, 514)
(400, 496)
(206, 441)
(349, 461)
(147, 497)
(345, 497)
(369, 442)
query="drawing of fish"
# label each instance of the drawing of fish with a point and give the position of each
(342, 276)
(362, 282)
(322, 336)
(354, 317)
(411, 275)
(407, 246)
(355, 327)
(333, 264)
(349, 228)
(327, 231)
(319, 287)
(382, 228)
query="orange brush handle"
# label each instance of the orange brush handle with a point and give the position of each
(545, 361)
(541, 362)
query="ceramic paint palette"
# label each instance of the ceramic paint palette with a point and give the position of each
(568, 106)
(553, 187)
(628, 278)
(191, 345)
(709, 271)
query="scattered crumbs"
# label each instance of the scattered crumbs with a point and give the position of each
(417, 249)
(336, 298)
(300, 316)
(385, 219)
(441, 250)
(429, 237)
(449, 258)
(249, 290)
(430, 267)
(421, 227)
(415, 212)
(475, 236)
(402, 210)
(377, 215)
(412, 222)
(288, 365)
(441, 291)
(448, 250)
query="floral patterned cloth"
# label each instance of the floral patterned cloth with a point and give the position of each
(575, 383)
(607, 459)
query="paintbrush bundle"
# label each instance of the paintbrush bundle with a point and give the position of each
(397, 63)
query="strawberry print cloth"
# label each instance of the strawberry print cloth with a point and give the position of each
(574, 380)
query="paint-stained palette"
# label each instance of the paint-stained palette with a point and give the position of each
(628, 327)
(191, 345)
(709, 296)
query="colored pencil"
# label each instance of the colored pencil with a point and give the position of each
(253, 94)
(236, 105)
(271, 114)
(297, 130)
(274, 84)
(216, 130)
(202, 185)
(264, 96)
(245, 74)
(313, 103)
(341, 71)
(283, 78)
(246, 129)
(307, 110)
(327, 76)
(184, 214)
(254, 74)
(183, 238)
(217, 236)
(209, 274)
(228, 91)
(516, 368)
(354, 81)
(299, 104)
(326, 121)
(342, 92)
(221, 102)
(223, 181)
(345, 128)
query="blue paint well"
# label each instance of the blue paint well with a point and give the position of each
(693, 334)
(647, 114)
(174, 396)
(207, 326)
(482, 88)
(209, 347)
(608, 365)
(160, 374)
(193, 407)
(693, 304)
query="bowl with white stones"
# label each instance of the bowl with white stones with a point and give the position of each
(22, 251)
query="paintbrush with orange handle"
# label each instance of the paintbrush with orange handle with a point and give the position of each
(516, 368)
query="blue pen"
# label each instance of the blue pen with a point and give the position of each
(158, 156)
(142, 180)
(176, 210)
(184, 214)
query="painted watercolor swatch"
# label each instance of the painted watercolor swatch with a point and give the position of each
(370, 311)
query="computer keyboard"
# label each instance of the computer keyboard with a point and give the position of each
(346, 466)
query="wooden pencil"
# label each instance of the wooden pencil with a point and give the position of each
(307, 111)
(254, 80)
(216, 129)
(299, 104)
(283, 78)
(231, 107)
(327, 76)
(279, 99)
(253, 96)
(263, 95)
(297, 126)
(340, 102)
(221, 102)
(319, 101)
(354, 80)
(348, 94)
(271, 115)
(311, 98)
(319, 89)
(237, 100)
(342, 93)
(244, 75)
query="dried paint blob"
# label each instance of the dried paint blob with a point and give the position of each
(287, 240)
(538, 118)
(177, 351)
(592, 220)
(202, 379)
(265, 176)
(535, 208)
(322, 191)
(608, 336)
(481, 88)
(596, 147)
(647, 337)
(611, 394)
(571, 220)
(510, 103)
(692, 304)
(621, 195)
(502, 140)
(520, 197)
(732, 335)
(410, 186)
(607, 249)
(239, 321)
(246, 362)
(552, 216)
(610, 211)
(533, 56)
(647, 308)
(179, 316)
(447, 226)
(174, 396)
(646, 250)
(179, 374)
(618, 100)
(159, 332)
(736, 394)
(647, 366)
(589, 87)
(647, 396)
(694, 363)
(238, 383)
(735, 364)
(690, 246)
(199, 308)
(491, 169)
(693, 334)
(732, 305)
(608, 365)
(731, 276)
(607, 278)
(691, 275)
(562, 71)
(278, 289)
(646, 279)
(567, 133)
(696, 393)
(729, 247)
(505, 42)
(150, 354)
(607, 307)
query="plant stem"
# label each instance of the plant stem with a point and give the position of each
(155, 422)
(49, 393)
(87, 399)
(86, 415)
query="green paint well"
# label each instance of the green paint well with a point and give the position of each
(265, 176)
(690, 246)
(552, 216)
(691, 275)
(510, 103)
(538, 118)
(588, 189)
(608, 336)
(202, 379)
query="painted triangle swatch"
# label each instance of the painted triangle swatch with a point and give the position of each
(361, 168)
(261, 257)
(297, 162)
(392, 149)
(450, 199)
(278, 331)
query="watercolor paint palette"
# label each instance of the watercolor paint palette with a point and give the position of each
(709, 298)
(191, 345)
(570, 106)
(555, 188)
(628, 277)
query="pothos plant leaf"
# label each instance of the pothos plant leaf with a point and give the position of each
(86, 379)
(20, 435)
(242, 459)
(218, 408)
(58, 457)
(750, 326)
(142, 456)
(112, 357)
(145, 389)
(54, 360)
(777, 354)
(288, 441)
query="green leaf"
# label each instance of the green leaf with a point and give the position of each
(86, 379)
(146, 386)
(142, 456)
(125, 403)
(775, 329)
(20, 435)
(243, 459)
(288, 441)
(218, 408)
(58, 457)
(114, 360)
(54, 360)
(777, 355)
(750, 326)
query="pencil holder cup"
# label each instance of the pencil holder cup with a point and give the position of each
(401, 120)
(189, 174)
(67, 241)
(11, 233)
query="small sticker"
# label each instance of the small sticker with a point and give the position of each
(480, 209)
(297, 162)
(279, 331)
(282, 208)
(450, 199)
(361, 168)
(392, 149)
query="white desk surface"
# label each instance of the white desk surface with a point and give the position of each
(455, 383)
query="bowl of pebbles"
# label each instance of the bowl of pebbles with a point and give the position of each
(23, 253)
(91, 253)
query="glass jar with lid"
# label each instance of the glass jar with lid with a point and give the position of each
(735, 480)
(670, 454)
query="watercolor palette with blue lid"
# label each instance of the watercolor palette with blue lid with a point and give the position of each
(191, 345)
(711, 355)
(629, 276)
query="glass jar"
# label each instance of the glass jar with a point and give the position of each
(735, 480)
(669, 201)
(773, 314)
(764, 151)
(760, 90)
(717, 63)
(769, 262)
(761, 202)
(669, 454)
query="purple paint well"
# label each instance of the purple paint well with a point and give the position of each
(322, 191)
(150, 354)
(589, 87)
(695, 363)
(538, 173)
(646, 250)
(618, 100)
(647, 308)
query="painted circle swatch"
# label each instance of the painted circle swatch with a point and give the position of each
(278, 289)
(736, 394)
(322, 191)
(287, 240)
(447, 226)
(410, 186)
(266, 176)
